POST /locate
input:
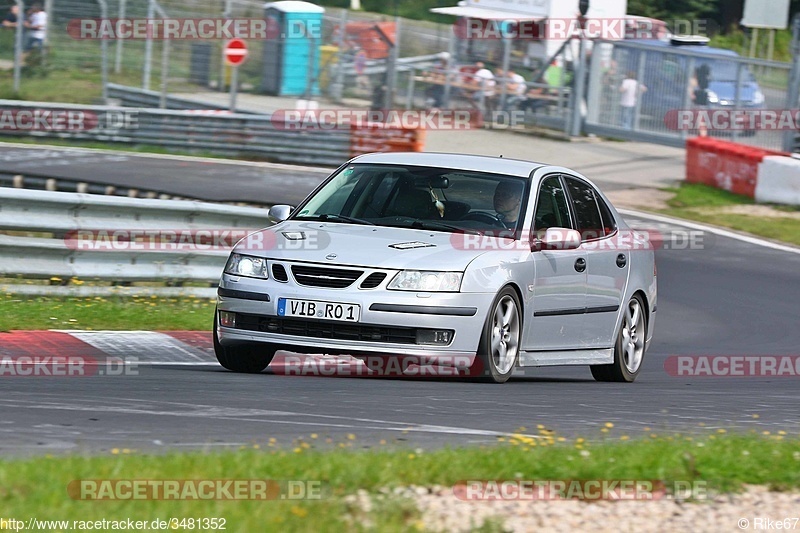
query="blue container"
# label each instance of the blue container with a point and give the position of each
(291, 61)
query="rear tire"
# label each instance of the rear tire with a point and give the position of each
(244, 358)
(630, 347)
(498, 349)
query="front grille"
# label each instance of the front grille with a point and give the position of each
(373, 280)
(322, 329)
(279, 273)
(332, 278)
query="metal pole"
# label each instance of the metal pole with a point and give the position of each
(391, 70)
(48, 9)
(312, 57)
(639, 77)
(234, 88)
(686, 96)
(793, 92)
(410, 89)
(18, 45)
(506, 64)
(449, 64)
(753, 42)
(737, 96)
(164, 73)
(148, 49)
(104, 54)
(118, 59)
(337, 87)
(226, 14)
(580, 84)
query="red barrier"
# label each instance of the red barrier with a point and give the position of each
(724, 164)
(364, 140)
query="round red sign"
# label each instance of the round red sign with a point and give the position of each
(235, 52)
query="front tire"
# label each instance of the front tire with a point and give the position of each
(630, 347)
(244, 358)
(498, 350)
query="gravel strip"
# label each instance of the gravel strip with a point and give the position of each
(441, 511)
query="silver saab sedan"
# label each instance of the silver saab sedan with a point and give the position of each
(508, 263)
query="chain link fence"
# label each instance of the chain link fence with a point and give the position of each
(666, 94)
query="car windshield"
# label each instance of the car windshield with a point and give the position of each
(721, 70)
(427, 198)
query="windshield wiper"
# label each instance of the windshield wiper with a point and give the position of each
(432, 224)
(345, 218)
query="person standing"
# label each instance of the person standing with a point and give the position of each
(12, 17)
(37, 26)
(630, 90)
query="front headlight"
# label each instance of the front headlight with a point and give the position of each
(758, 98)
(712, 97)
(423, 280)
(247, 266)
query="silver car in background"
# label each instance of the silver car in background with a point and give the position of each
(509, 263)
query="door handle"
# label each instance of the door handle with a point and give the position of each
(580, 264)
(622, 260)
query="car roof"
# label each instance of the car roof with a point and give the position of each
(700, 49)
(480, 163)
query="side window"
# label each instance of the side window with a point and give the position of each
(551, 206)
(609, 224)
(590, 223)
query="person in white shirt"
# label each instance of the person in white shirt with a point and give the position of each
(37, 27)
(630, 90)
(484, 79)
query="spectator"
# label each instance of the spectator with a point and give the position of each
(485, 82)
(37, 26)
(434, 93)
(630, 90)
(11, 18)
(515, 90)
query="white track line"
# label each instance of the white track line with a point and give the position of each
(712, 229)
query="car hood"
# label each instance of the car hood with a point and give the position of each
(362, 245)
(726, 90)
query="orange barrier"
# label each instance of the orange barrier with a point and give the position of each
(724, 164)
(378, 138)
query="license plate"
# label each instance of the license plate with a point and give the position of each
(318, 309)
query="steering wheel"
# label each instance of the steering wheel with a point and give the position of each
(482, 216)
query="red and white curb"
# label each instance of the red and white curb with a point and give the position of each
(147, 347)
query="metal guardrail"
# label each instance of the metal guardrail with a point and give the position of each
(59, 214)
(135, 97)
(224, 134)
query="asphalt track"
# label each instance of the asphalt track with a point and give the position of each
(728, 298)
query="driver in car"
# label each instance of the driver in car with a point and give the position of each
(507, 197)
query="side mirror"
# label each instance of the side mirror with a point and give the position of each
(556, 239)
(279, 213)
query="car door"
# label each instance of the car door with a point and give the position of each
(559, 287)
(606, 262)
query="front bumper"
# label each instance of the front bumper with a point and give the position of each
(381, 309)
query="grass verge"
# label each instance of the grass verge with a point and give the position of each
(702, 203)
(113, 313)
(724, 461)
